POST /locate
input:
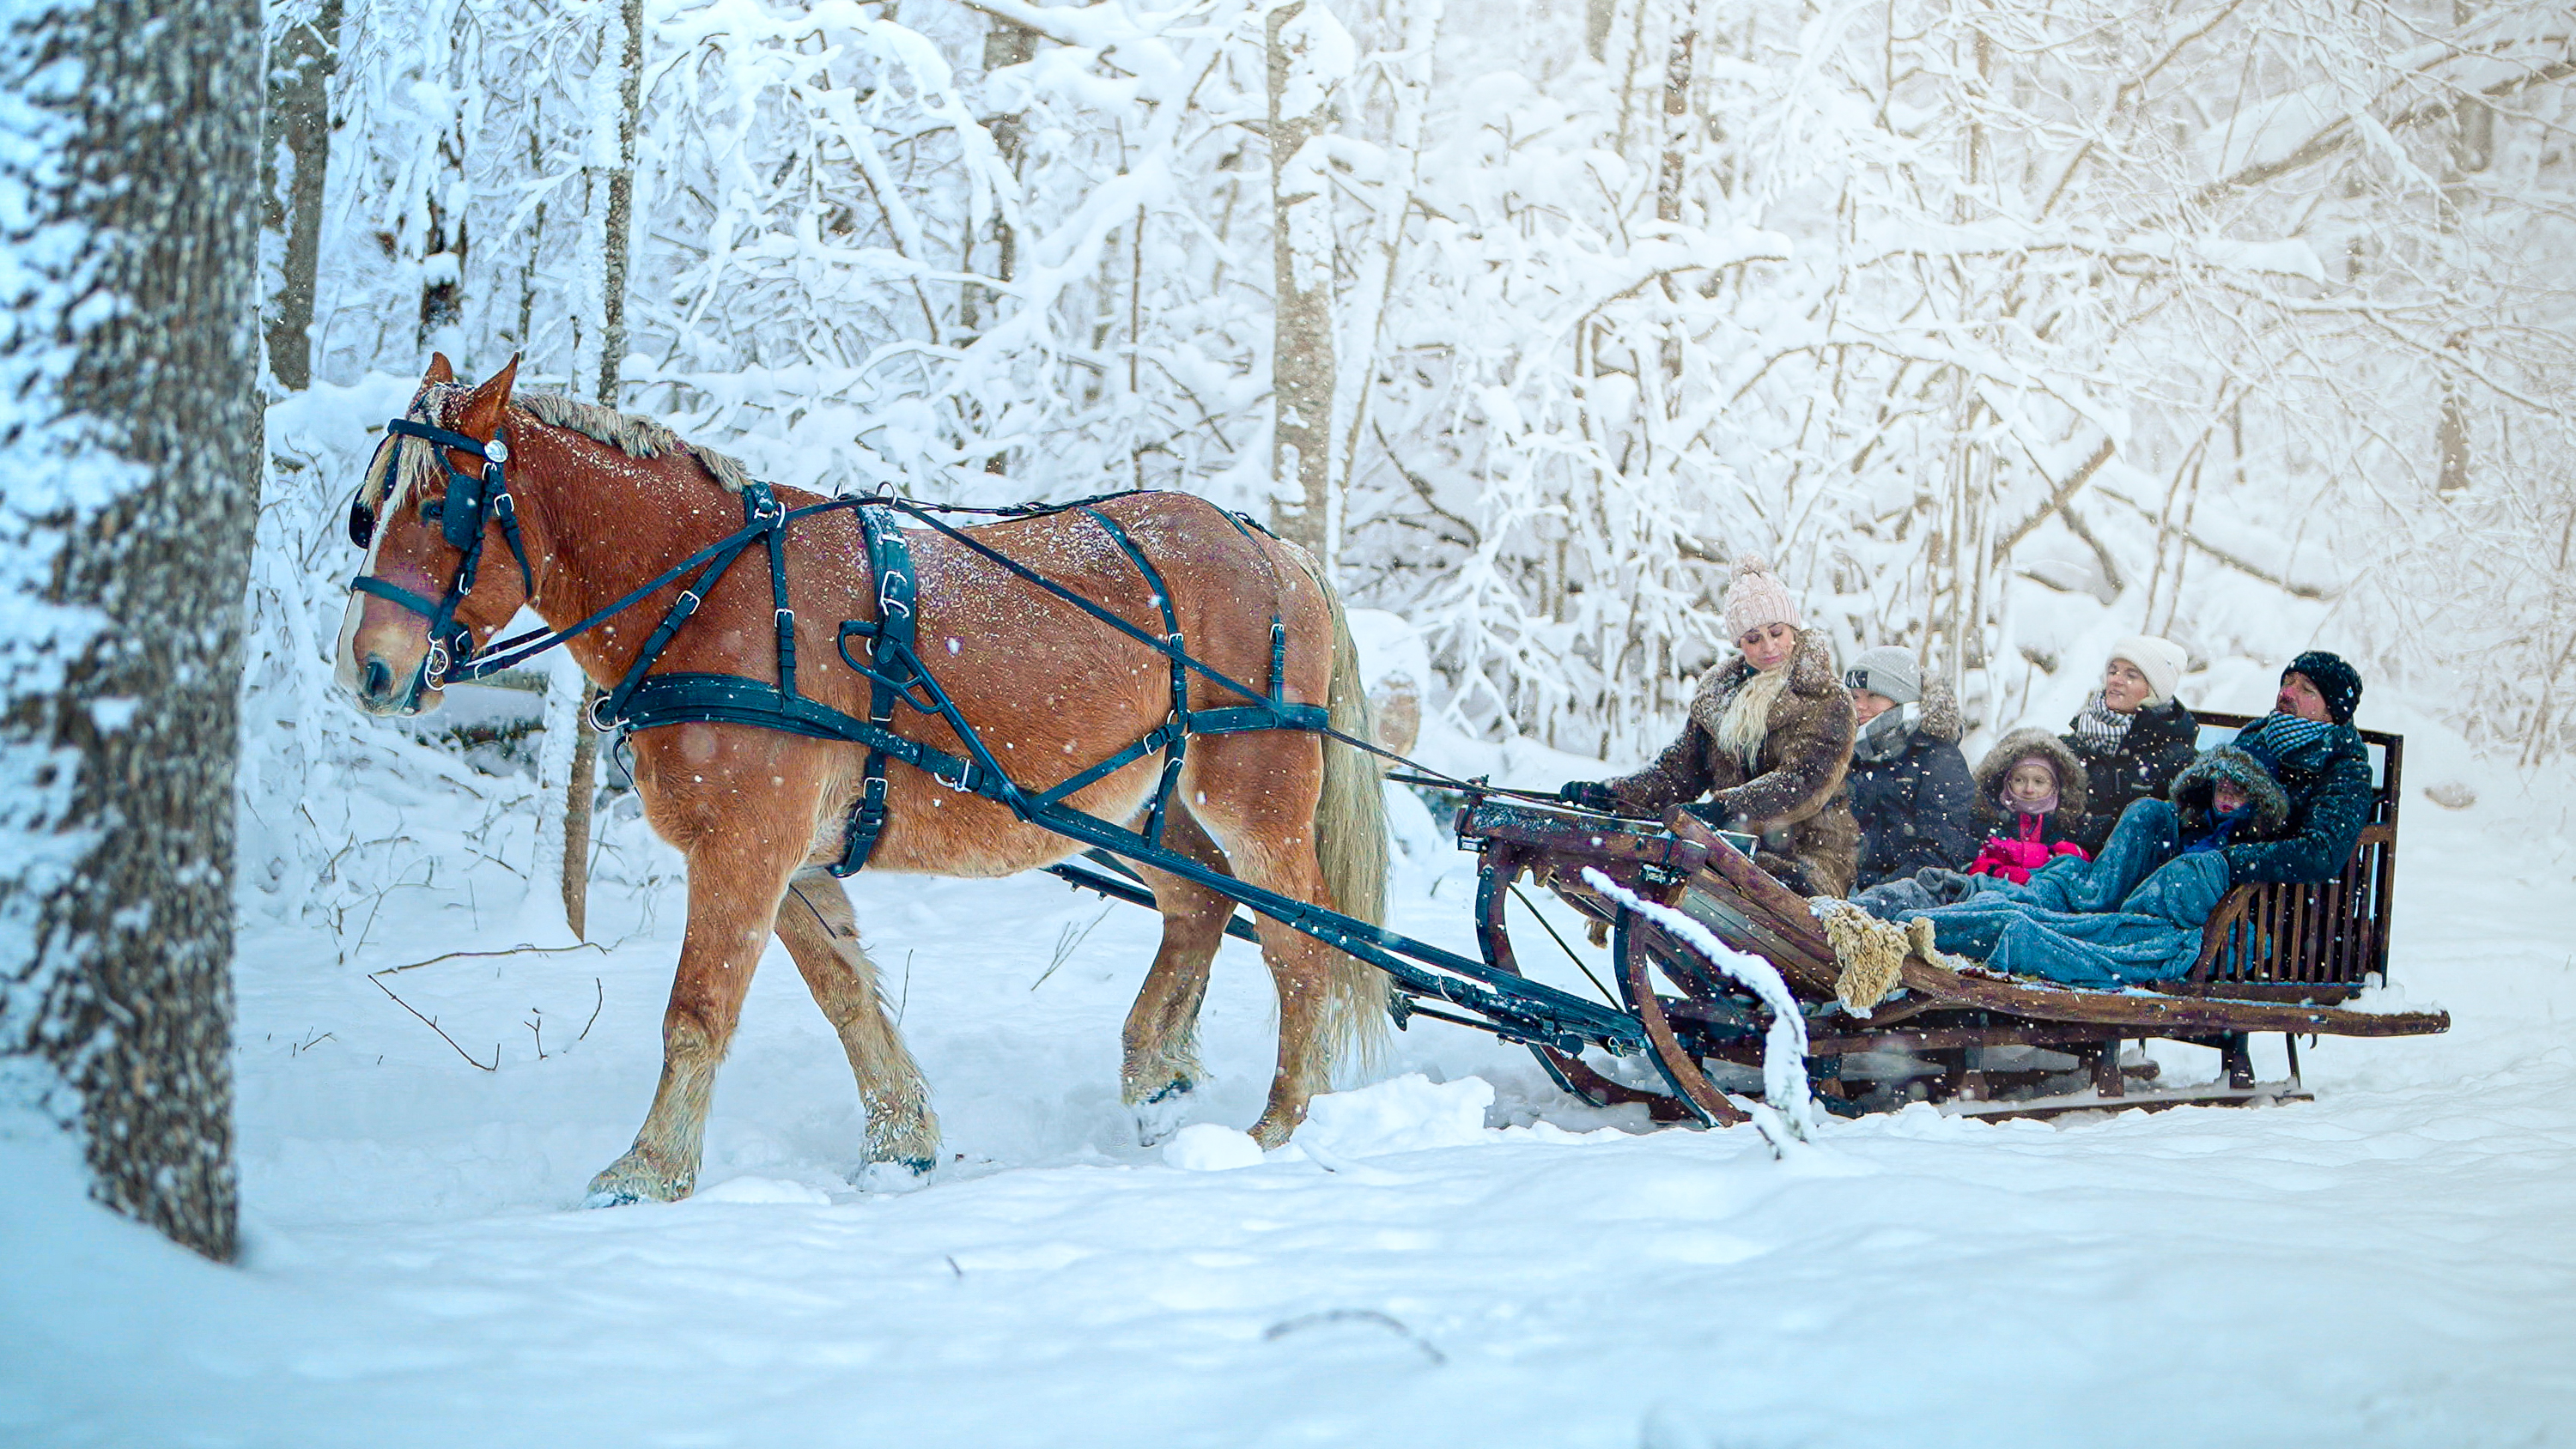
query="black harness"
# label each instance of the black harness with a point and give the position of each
(1517, 1008)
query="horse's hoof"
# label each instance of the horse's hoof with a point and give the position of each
(1159, 1116)
(910, 1175)
(634, 1179)
(1273, 1131)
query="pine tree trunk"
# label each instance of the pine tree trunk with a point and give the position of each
(129, 362)
(300, 69)
(1301, 242)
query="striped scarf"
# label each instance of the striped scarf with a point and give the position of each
(2278, 739)
(2100, 728)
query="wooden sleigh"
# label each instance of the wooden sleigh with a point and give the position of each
(2273, 958)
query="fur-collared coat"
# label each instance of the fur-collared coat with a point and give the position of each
(1794, 794)
(1910, 789)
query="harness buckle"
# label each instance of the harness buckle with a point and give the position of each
(434, 669)
(599, 724)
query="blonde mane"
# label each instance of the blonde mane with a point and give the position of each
(414, 466)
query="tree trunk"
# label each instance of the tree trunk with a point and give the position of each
(442, 249)
(1301, 255)
(622, 45)
(1005, 45)
(1677, 114)
(130, 192)
(620, 223)
(300, 68)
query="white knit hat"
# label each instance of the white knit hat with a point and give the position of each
(1757, 599)
(2160, 660)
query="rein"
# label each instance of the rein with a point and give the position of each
(1519, 1009)
(893, 666)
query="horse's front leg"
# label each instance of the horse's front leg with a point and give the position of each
(822, 933)
(745, 830)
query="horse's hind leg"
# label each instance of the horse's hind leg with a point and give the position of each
(822, 933)
(1261, 814)
(1162, 1034)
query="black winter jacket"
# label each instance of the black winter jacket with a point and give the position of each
(1912, 795)
(2161, 743)
(2330, 801)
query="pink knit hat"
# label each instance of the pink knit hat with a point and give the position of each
(1757, 598)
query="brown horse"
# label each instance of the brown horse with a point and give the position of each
(605, 502)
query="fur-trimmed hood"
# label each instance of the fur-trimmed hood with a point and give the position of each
(2073, 783)
(2193, 789)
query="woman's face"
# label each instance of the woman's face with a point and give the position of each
(1867, 704)
(1768, 647)
(2029, 785)
(2124, 687)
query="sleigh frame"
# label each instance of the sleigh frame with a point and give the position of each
(2274, 958)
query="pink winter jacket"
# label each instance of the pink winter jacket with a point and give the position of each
(2013, 857)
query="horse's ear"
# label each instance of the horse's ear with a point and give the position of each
(439, 370)
(480, 417)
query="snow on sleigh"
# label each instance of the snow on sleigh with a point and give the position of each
(2273, 958)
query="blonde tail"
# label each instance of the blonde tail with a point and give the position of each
(1351, 847)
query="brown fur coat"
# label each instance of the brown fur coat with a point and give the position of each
(1797, 800)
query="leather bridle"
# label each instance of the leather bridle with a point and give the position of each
(473, 501)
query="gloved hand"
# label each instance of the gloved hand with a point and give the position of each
(1588, 795)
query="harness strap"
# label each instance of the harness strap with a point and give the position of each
(1179, 742)
(890, 660)
(1031, 576)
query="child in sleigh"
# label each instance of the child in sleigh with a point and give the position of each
(2030, 794)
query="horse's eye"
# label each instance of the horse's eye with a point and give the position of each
(362, 522)
(429, 510)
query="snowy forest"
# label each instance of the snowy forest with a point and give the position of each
(2002, 329)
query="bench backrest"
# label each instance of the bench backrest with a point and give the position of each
(2318, 941)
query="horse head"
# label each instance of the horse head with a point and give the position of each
(445, 568)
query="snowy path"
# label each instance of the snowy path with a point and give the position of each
(2392, 1265)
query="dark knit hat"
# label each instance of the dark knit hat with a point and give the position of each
(2339, 682)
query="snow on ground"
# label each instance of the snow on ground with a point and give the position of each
(2390, 1265)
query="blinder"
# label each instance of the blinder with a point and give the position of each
(473, 500)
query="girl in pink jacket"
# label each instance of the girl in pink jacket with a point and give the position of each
(2030, 794)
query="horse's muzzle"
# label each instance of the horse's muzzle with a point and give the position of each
(381, 690)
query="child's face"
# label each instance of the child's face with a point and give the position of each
(2030, 784)
(2227, 798)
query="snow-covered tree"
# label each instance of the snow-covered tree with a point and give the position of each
(129, 436)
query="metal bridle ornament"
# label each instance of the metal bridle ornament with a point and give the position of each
(473, 500)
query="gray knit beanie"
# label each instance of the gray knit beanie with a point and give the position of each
(1887, 671)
